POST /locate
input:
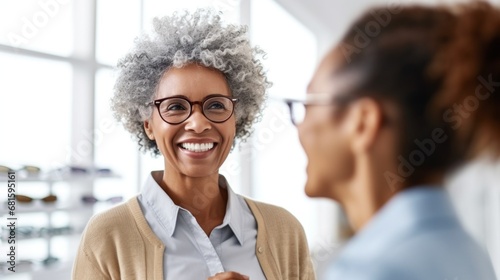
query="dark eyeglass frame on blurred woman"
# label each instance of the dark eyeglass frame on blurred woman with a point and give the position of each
(177, 109)
(297, 107)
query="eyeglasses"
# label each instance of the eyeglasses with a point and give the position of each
(29, 169)
(298, 107)
(176, 109)
(26, 199)
(91, 199)
(31, 231)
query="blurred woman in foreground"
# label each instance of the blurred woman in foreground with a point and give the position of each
(389, 111)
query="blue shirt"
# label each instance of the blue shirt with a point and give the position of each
(415, 236)
(190, 253)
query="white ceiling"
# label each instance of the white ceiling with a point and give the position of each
(328, 19)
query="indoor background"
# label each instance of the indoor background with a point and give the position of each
(56, 80)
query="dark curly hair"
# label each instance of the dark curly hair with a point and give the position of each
(441, 66)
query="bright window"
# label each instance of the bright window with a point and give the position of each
(114, 147)
(118, 23)
(44, 26)
(278, 162)
(35, 106)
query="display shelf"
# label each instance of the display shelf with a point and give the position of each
(72, 204)
(73, 233)
(59, 177)
(38, 207)
(60, 270)
(43, 207)
(60, 264)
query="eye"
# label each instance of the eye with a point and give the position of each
(216, 105)
(175, 107)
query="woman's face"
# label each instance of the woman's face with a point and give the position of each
(323, 135)
(178, 143)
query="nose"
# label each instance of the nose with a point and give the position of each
(197, 122)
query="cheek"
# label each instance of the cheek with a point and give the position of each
(337, 158)
(311, 136)
(164, 135)
(226, 131)
(330, 160)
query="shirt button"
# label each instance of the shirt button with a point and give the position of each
(260, 250)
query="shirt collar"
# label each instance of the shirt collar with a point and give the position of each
(167, 212)
(234, 211)
(410, 209)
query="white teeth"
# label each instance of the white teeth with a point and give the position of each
(197, 147)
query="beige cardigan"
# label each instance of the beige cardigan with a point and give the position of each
(119, 244)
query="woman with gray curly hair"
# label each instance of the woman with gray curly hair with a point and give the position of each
(187, 92)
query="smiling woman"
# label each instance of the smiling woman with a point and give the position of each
(186, 93)
(212, 124)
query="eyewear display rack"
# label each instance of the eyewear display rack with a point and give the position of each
(80, 184)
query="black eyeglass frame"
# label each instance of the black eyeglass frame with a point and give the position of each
(158, 102)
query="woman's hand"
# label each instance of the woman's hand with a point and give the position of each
(230, 275)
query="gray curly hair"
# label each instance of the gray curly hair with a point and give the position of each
(183, 39)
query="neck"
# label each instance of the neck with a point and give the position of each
(201, 196)
(364, 196)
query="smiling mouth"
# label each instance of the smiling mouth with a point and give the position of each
(197, 147)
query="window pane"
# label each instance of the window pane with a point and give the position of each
(35, 108)
(118, 23)
(277, 158)
(114, 147)
(44, 26)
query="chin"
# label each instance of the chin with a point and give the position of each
(198, 172)
(311, 188)
(314, 189)
(319, 186)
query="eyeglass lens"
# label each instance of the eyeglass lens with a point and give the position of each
(177, 110)
(297, 112)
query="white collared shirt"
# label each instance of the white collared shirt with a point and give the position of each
(190, 253)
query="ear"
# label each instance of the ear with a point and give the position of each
(366, 117)
(148, 128)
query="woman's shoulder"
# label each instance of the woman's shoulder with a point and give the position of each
(119, 215)
(272, 215)
(117, 223)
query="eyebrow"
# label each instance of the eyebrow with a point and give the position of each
(207, 96)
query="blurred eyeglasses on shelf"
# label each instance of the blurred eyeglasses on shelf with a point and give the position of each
(26, 170)
(80, 170)
(68, 172)
(32, 232)
(5, 169)
(88, 199)
(26, 199)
